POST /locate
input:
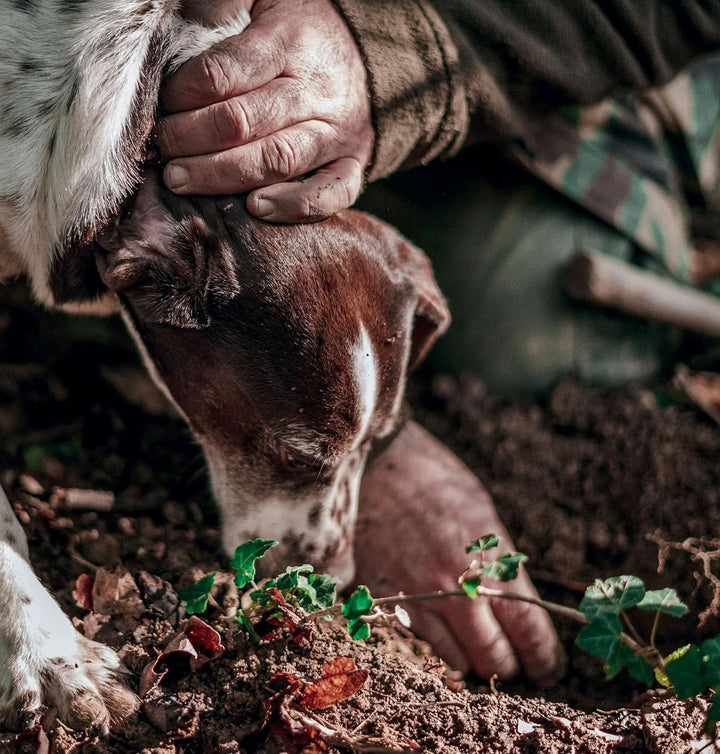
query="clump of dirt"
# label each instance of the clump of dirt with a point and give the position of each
(581, 480)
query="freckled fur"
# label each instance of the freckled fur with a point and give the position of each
(80, 100)
(78, 86)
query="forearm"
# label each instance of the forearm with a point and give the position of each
(450, 72)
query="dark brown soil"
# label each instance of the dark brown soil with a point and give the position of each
(580, 480)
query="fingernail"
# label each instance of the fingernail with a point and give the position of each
(264, 207)
(175, 176)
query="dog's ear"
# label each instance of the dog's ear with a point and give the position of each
(432, 317)
(169, 271)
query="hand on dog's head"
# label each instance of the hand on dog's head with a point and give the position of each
(286, 347)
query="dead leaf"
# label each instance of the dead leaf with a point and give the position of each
(340, 680)
(116, 593)
(159, 597)
(82, 594)
(93, 623)
(190, 648)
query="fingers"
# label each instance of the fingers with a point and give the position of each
(235, 121)
(232, 67)
(327, 191)
(467, 636)
(433, 629)
(531, 632)
(286, 154)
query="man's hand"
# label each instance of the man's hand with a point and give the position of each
(286, 98)
(419, 508)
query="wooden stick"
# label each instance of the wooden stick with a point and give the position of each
(606, 281)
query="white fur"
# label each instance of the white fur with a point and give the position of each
(97, 53)
(83, 67)
(365, 372)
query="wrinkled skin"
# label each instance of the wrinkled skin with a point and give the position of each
(419, 508)
(286, 98)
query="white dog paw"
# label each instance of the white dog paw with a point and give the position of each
(82, 687)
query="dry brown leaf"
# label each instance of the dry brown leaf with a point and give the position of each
(82, 594)
(340, 680)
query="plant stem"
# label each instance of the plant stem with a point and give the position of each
(552, 607)
(654, 629)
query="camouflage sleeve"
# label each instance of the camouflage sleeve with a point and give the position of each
(449, 72)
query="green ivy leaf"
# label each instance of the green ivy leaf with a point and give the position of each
(601, 637)
(325, 587)
(359, 603)
(488, 542)
(470, 586)
(637, 666)
(243, 561)
(611, 596)
(506, 567)
(292, 577)
(664, 601)
(710, 651)
(685, 672)
(196, 596)
(358, 629)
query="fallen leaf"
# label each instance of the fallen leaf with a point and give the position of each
(187, 650)
(340, 680)
(116, 593)
(159, 597)
(82, 594)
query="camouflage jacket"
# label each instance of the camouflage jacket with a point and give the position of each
(648, 164)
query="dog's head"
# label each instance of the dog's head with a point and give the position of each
(285, 347)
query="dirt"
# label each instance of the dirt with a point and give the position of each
(581, 480)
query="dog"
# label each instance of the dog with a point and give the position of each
(284, 347)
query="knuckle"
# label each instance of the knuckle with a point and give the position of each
(310, 208)
(215, 70)
(280, 157)
(232, 122)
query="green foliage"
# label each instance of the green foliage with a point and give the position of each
(637, 665)
(196, 596)
(710, 652)
(243, 561)
(601, 637)
(359, 603)
(488, 542)
(664, 601)
(300, 585)
(287, 601)
(685, 672)
(611, 596)
(506, 567)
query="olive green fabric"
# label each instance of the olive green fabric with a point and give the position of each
(636, 176)
(497, 253)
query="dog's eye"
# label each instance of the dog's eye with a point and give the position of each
(290, 462)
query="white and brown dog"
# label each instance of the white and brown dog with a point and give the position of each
(285, 348)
